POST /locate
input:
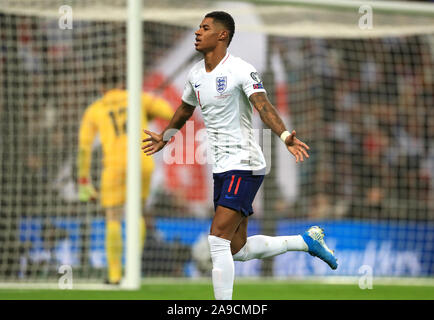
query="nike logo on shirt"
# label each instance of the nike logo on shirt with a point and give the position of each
(196, 85)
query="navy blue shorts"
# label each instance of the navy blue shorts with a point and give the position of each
(236, 189)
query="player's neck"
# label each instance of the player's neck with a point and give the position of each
(213, 58)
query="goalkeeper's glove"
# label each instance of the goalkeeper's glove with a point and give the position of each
(86, 191)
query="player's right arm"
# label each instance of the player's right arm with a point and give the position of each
(156, 141)
(88, 131)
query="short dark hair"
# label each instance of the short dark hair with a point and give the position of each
(110, 78)
(226, 20)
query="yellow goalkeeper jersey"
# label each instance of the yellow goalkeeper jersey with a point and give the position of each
(108, 118)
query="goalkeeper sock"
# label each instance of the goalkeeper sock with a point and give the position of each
(114, 250)
(260, 247)
(223, 267)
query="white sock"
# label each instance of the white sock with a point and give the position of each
(223, 267)
(260, 247)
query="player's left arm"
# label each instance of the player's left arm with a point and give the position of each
(271, 118)
(87, 133)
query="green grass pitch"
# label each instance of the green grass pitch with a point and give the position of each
(258, 290)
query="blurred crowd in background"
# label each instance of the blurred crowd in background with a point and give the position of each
(366, 108)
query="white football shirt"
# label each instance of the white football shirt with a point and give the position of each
(223, 97)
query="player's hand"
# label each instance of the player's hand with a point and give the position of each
(86, 191)
(154, 143)
(297, 147)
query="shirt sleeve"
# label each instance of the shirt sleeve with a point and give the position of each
(88, 131)
(156, 107)
(251, 82)
(189, 96)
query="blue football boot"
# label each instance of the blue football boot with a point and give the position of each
(314, 238)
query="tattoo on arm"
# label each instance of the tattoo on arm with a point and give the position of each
(267, 112)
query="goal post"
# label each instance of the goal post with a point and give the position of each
(134, 208)
(357, 89)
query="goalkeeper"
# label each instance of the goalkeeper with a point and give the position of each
(107, 117)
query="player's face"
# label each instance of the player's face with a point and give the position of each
(207, 36)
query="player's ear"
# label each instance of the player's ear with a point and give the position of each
(224, 35)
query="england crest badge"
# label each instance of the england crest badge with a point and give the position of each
(221, 84)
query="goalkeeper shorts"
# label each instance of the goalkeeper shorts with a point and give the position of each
(236, 189)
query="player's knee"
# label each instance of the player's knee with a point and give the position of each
(114, 214)
(241, 254)
(216, 232)
(237, 244)
(218, 246)
(221, 232)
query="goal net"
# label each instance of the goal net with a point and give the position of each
(355, 81)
